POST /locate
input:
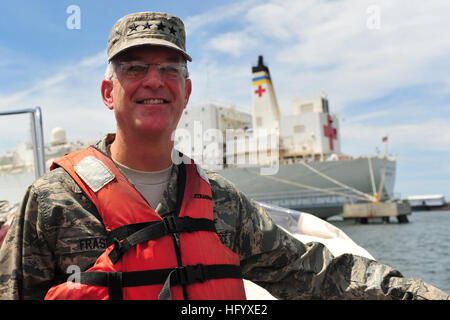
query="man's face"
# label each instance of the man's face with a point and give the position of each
(149, 105)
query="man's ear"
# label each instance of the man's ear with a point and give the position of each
(187, 91)
(106, 89)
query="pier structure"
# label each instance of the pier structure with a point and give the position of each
(363, 212)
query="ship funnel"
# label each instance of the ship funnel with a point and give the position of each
(260, 66)
(266, 114)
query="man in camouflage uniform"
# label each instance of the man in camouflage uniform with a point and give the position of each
(57, 226)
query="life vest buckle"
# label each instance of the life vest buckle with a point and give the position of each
(191, 274)
(170, 223)
(199, 273)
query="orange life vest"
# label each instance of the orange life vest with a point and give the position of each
(148, 257)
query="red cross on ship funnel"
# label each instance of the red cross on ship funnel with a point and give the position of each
(330, 132)
(260, 91)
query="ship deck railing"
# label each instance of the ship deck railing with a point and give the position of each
(307, 197)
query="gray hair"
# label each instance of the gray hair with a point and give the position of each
(110, 71)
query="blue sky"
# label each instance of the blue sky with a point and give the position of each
(386, 72)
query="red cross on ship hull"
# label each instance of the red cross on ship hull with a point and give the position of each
(330, 132)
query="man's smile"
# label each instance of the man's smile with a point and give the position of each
(152, 101)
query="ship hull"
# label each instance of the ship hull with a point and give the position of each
(297, 187)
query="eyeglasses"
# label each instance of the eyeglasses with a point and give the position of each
(139, 69)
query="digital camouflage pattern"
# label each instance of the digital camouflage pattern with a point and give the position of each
(57, 226)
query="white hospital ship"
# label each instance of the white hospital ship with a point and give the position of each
(292, 161)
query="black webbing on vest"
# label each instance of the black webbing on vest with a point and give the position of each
(124, 231)
(181, 185)
(154, 230)
(184, 275)
(115, 281)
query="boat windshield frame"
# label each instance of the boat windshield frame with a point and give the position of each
(37, 136)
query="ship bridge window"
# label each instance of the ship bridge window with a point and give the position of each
(299, 129)
(325, 105)
(307, 108)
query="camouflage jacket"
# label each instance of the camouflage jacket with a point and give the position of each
(58, 226)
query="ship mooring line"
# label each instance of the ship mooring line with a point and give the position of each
(307, 187)
(372, 179)
(366, 196)
(383, 176)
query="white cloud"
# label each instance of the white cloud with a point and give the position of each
(216, 15)
(214, 80)
(428, 135)
(326, 45)
(233, 43)
(369, 116)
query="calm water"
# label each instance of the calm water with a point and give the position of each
(419, 249)
(14, 186)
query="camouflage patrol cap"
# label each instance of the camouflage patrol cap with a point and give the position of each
(147, 28)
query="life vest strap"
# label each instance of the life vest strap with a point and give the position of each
(115, 285)
(184, 275)
(122, 232)
(154, 230)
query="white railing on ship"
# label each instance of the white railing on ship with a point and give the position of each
(37, 136)
(301, 193)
